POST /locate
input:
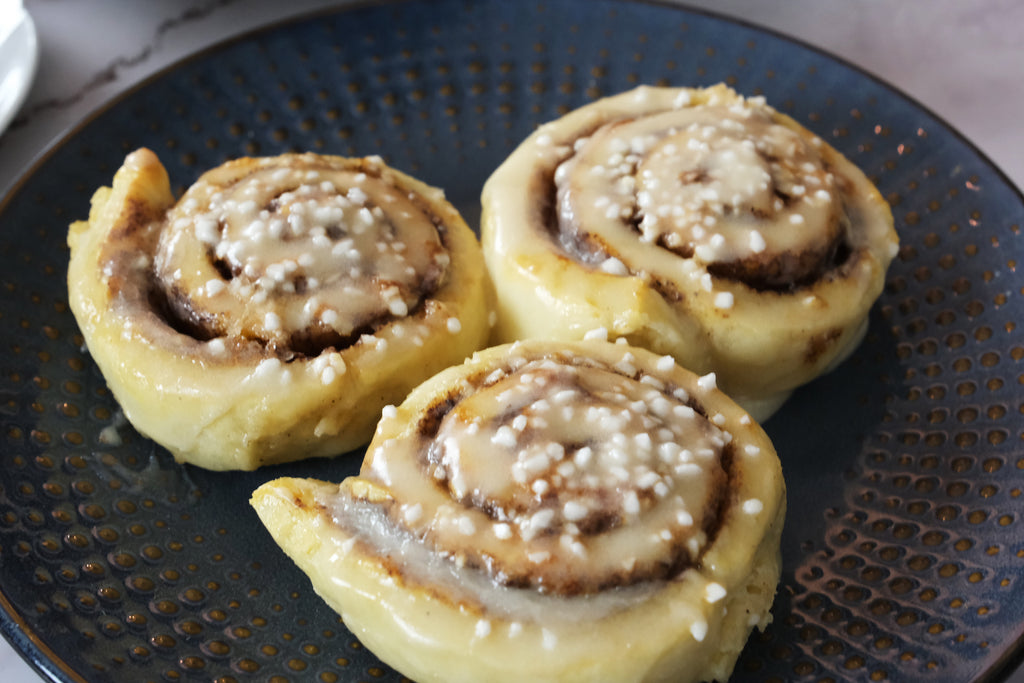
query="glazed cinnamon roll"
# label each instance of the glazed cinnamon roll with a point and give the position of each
(549, 511)
(275, 309)
(694, 222)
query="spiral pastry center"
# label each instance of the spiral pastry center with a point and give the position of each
(565, 474)
(575, 452)
(298, 256)
(726, 186)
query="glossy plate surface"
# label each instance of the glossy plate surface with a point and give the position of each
(904, 546)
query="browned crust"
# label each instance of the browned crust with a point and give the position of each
(820, 344)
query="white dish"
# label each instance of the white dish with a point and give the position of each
(19, 55)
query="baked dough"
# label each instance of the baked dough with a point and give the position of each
(570, 511)
(275, 309)
(694, 222)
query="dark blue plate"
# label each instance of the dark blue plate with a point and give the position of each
(904, 545)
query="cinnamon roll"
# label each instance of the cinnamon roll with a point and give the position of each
(696, 223)
(549, 511)
(275, 309)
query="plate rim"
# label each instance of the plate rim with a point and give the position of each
(15, 629)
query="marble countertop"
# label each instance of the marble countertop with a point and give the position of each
(961, 60)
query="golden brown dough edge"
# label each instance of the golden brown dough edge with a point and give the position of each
(224, 414)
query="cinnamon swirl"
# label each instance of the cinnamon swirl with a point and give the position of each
(549, 511)
(694, 222)
(275, 309)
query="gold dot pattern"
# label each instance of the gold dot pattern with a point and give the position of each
(157, 572)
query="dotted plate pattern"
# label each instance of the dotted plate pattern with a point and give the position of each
(904, 546)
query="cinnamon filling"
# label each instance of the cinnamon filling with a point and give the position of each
(294, 254)
(744, 197)
(567, 476)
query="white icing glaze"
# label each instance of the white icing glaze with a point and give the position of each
(549, 470)
(718, 182)
(283, 249)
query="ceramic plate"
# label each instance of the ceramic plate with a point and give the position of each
(904, 546)
(19, 53)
